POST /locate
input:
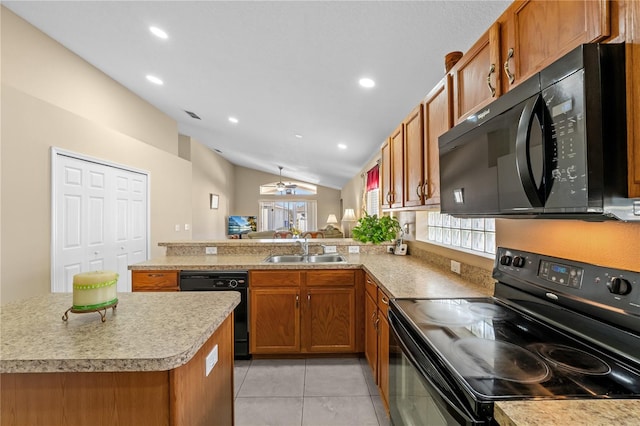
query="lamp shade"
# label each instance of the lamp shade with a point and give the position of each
(349, 215)
(332, 219)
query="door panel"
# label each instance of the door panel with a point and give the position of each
(99, 222)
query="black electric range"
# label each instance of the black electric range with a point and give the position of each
(554, 329)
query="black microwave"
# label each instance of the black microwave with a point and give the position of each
(555, 146)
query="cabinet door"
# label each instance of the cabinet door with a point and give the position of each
(413, 158)
(330, 319)
(385, 181)
(538, 32)
(383, 358)
(437, 120)
(274, 320)
(371, 335)
(397, 170)
(154, 281)
(476, 76)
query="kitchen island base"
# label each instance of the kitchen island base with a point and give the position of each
(181, 396)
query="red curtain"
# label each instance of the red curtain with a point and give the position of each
(372, 178)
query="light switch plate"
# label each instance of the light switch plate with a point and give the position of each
(330, 249)
(211, 250)
(211, 360)
(455, 267)
(354, 249)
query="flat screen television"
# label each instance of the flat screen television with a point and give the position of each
(237, 225)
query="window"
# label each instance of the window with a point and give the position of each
(300, 215)
(372, 200)
(476, 235)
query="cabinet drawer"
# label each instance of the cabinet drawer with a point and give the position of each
(333, 277)
(371, 287)
(383, 302)
(274, 278)
(154, 280)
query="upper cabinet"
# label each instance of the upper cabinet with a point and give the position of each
(534, 33)
(437, 120)
(476, 76)
(393, 169)
(414, 158)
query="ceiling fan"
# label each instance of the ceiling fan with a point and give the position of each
(281, 186)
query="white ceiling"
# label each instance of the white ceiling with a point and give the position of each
(281, 67)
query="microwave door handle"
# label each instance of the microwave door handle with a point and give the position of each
(523, 157)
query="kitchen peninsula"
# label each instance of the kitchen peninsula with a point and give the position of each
(144, 365)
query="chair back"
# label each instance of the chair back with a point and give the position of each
(313, 234)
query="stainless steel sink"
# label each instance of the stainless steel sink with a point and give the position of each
(287, 258)
(312, 258)
(323, 258)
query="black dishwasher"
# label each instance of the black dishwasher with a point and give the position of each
(225, 281)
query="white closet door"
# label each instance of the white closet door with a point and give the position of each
(100, 220)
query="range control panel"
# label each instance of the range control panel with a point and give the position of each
(557, 278)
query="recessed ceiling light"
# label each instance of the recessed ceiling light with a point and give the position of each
(298, 135)
(233, 120)
(367, 82)
(158, 33)
(155, 80)
(342, 146)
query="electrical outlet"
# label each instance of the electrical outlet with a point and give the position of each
(330, 249)
(177, 228)
(211, 250)
(390, 249)
(211, 360)
(187, 227)
(455, 267)
(354, 249)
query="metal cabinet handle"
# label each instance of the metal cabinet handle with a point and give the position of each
(309, 299)
(375, 324)
(373, 317)
(492, 69)
(418, 190)
(385, 300)
(425, 189)
(511, 76)
(297, 301)
(155, 275)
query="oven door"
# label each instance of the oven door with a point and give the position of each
(419, 394)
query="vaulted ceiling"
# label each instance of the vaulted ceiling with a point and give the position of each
(288, 71)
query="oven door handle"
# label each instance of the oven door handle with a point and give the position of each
(407, 352)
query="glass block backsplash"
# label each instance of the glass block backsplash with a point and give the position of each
(477, 234)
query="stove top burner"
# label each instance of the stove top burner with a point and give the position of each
(488, 310)
(571, 359)
(491, 359)
(442, 314)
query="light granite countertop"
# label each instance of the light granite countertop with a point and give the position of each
(147, 332)
(400, 276)
(589, 412)
(409, 276)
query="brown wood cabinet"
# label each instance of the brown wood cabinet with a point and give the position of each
(312, 311)
(154, 281)
(632, 23)
(392, 169)
(437, 120)
(377, 336)
(476, 76)
(414, 167)
(535, 33)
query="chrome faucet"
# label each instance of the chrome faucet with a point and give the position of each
(305, 246)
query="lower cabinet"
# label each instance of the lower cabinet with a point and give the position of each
(154, 281)
(293, 312)
(377, 336)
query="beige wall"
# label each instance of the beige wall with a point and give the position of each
(247, 193)
(613, 244)
(51, 98)
(212, 174)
